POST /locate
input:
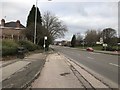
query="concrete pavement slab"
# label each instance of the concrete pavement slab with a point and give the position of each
(12, 68)
(33, 64)
(56, 74)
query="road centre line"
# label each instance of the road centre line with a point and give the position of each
(114, 64)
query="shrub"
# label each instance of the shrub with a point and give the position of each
(28, 45)
(9, 47)
(109, 48)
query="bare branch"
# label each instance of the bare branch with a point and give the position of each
(54, 26)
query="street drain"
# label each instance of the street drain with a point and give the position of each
(64, 74)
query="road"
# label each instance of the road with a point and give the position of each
(103, 64)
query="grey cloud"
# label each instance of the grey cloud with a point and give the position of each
(78, 16)
(16, 10)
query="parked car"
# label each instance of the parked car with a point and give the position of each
(90, 49)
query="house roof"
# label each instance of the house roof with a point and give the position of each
(13, 24)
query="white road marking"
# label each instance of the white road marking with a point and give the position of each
(90, 57)
(94, 53)
(114, 64)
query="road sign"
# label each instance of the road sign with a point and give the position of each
(45, 37)
(104, 45)
(44, 45)
(98, 43)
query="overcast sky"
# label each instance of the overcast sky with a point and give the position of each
(79, 16)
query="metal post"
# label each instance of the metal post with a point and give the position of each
(105, 48)
(45, 38)
(12, 36)
(35, 24)
(83, 43)
(44, 44)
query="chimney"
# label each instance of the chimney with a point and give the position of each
(17, 24)
(2, 22)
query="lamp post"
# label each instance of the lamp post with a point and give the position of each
(35, 23)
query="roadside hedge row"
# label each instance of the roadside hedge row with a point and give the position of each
(28, 45)
(9, 47)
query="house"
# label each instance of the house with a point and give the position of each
(11, 30)
(66, 43)
(63, 43)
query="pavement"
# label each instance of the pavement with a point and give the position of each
(60, 72)
(12, 68)
(19, 73)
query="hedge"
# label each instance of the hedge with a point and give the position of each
(28, 45)
(9, 47)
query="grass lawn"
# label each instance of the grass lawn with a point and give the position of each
(97, 47)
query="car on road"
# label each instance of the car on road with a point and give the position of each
(90, 49)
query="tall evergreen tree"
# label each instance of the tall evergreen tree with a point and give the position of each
(73, 41)
(31, 16)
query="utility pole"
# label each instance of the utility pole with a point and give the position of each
(35, 24)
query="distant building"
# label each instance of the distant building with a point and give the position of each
(11, 30)
(66, 43)
(62, 43)
(57, 43)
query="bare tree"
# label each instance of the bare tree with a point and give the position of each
(54, 26)
(109, 36)
(91, 37)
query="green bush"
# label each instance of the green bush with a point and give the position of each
(9, 47)
(28, 45)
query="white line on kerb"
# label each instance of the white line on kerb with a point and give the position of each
(114, 64)
(90, 58)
